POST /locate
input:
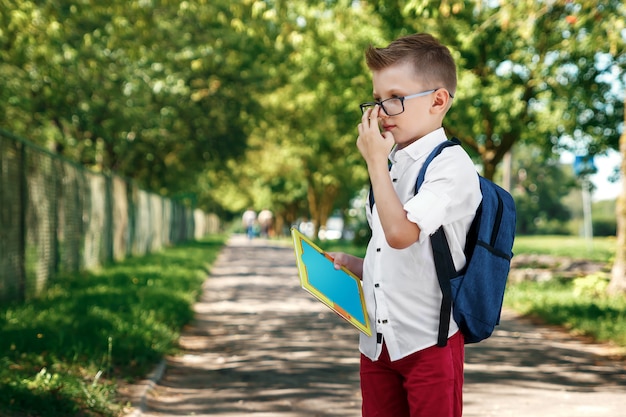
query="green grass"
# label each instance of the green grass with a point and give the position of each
(600, 249)
(579, 305)
(60, 355)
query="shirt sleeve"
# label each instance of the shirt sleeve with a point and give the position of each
(428, 211)
(450, 192)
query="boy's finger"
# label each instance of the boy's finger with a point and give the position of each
(372, 111)
(373, 116)
(366, 116)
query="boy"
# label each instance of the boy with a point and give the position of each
(403, 372)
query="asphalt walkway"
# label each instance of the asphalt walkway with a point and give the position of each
(261, 346)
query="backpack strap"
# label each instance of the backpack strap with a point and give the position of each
(444, 264)
(433, 154)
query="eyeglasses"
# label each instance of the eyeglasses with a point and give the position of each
(395, 105)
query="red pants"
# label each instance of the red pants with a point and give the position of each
(428, 383)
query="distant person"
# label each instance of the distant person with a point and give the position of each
(265, 222)
(403, 371)
(248, 221)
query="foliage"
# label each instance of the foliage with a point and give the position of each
(594, 285)
(302, 160)
(603, 218)
(604, 226)
(254, 103)
(151, 91)
(538, 79)
(577, 305)
(62, 354)
(539, 189)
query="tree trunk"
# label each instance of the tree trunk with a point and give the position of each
(326, 203)
(313, 206)
(618, 273)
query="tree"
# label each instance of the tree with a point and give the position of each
(540, 185)
(328, 80)
(537, 80)
(306, 132)
(203, 97)
(152, 92)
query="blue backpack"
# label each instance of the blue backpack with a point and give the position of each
(476, 292)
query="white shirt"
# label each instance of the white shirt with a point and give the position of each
(401, 288)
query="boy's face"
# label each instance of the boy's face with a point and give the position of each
(420, 115)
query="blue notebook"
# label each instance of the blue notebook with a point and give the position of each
(338, 289)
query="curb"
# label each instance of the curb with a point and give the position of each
(153, 378)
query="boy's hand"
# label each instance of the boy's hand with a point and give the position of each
(339, 259)
(350, 262)
(373, 145)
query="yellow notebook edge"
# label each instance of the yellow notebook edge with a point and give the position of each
(298, 237)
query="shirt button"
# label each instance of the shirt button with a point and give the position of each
(377, 285)
(377, 249)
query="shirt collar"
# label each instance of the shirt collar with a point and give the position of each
(420, 147)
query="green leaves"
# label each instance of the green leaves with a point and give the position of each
(529, 79)
(219, 98)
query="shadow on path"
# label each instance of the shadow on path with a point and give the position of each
(260, 345)
(529, 370)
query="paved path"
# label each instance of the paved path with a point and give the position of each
(261, 346)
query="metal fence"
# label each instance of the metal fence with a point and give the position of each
(57, 217)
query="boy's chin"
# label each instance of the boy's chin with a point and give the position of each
(404, 143)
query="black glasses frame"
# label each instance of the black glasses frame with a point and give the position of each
(365, 106)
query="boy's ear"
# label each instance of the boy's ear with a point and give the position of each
(441, 101)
